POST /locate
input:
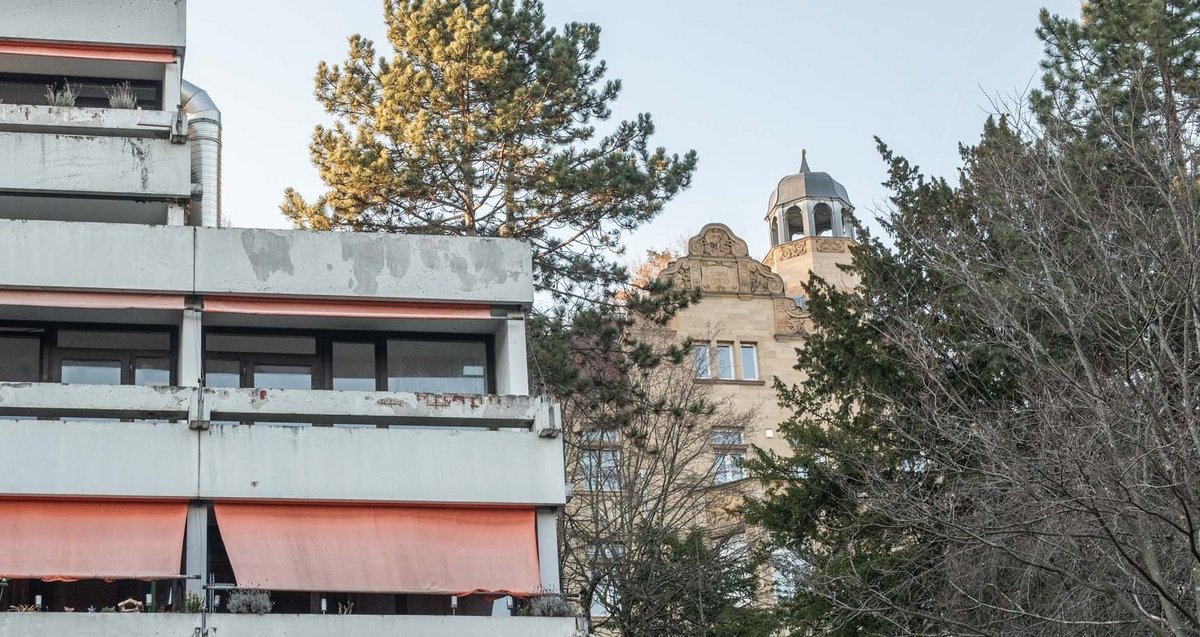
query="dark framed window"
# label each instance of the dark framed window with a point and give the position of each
(355, 361)
(87, 354)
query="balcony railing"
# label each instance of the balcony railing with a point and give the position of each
(104, 624)
(201, 407)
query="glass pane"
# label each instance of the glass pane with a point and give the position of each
(20, 359)
(725, 362)
(260, 344)
(727, 437)
(84, 372)
(700, 361)
(283, 377)
(749, 362)
(219, 373)
(114, 340)
(152, 371)
(354, 366)
(437, 366)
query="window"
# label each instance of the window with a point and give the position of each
(749, 361)
(788, 570)
(598, 436)
(725, 361)
(437, 366)
(728, 466)
(20, 357)
(113, 357)
(728, 437)
(601, 469)
(346, 361)
(354, 366)
(604, 597)
(702, 362)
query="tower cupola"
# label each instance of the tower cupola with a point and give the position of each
(809, 204)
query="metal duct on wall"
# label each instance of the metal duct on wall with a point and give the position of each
(204, 135)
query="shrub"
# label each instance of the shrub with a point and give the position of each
(64, 96)
(250, 601)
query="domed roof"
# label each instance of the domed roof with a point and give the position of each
(807, 183)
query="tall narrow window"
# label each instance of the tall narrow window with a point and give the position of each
(728, 467)
(600, 469)
(749, 361)
(701, 362)
(725, 361)
(451, 367)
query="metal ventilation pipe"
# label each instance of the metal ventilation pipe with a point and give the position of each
(204, 135)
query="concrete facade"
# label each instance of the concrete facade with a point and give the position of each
(154, 364)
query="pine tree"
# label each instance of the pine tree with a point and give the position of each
(483, 121)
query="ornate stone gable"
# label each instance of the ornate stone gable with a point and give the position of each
(718, 262)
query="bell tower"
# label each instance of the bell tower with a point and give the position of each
(810, 218)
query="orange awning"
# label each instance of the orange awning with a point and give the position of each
(381, 549)
(62, 540)
(92, 300)
(90, 52)
(354, 309)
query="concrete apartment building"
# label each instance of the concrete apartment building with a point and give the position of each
(343, 420)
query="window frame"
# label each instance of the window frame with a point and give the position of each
(753, 347)
(322, 359)
(598, 480)
(707, 374)
(729, 347)
(51, 355)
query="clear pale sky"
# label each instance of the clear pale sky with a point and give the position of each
(747, 84)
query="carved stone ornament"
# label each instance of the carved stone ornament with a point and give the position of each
(830, 244)
(718, 262)
(789, 319)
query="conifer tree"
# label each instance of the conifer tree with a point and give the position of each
(480, 120)
(998, 432)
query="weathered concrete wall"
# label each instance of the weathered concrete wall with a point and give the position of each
(95, 256)
(384, 465)
(337, 264)
(87, 164)
(160, 23)
(222, 625)
(113, 122)
(112, 459)
(332, 265)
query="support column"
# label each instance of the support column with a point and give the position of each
(836, 220)
(547, 544)
(810, 222)
(191, 355)
(781, 225)
(195, 557)
(512, 368)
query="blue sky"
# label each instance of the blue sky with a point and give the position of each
(746, 84)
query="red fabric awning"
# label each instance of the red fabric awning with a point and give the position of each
(87, 51)
(354, 309)
(92, 300)
(63, 541)
(381, 549)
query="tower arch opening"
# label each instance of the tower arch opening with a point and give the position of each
(822, 220)
(795, 223)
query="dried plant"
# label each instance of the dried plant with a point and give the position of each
(64, 96)
(250, 601)
(121, 96)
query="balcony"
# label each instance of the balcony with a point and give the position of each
(223, 625)
(197, 444)
(284, 263)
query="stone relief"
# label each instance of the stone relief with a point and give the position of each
(830, 244)
(718, 263)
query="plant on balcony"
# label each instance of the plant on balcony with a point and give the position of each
(250, 601)
(546, 605)
(64, 96)
(193, 603)
(121, 96)
(23, 608)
